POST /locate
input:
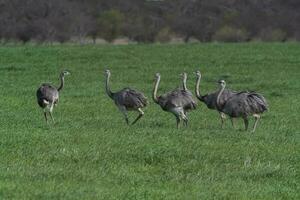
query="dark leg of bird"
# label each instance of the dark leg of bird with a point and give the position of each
(232, 122)
(141, 113)
(124, 111)
(246, 122)
(223, 117)
(255, 123)
(51, 116)
(178, 113)
(177, 121)
(185, 120)
(183, 116)
(45, 115)
(50, 111)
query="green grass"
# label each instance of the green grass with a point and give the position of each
(90, 153)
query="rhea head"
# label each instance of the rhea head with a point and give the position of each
(183, 75)
(157, 75)
(107, 72)
(198, 74)
(64, 73)
(222, 83)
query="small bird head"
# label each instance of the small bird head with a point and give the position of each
(183, 75)
(222, 83)
(198, 74)
(64, 73)
(107, 72)
(157, 75)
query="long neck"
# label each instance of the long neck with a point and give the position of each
(154, 94)
(107, 88)
(219, 97)
(184, 83)
(197, 90)
(62, 83)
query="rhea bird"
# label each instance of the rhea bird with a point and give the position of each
(242, 104)
(48, 95)
(210, 100)
(177, 102)
(126, 99)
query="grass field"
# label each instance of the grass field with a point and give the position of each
(90, 153)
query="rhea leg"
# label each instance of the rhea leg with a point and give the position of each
(246, 122)
(185, 118)
(257, 117)
(176, 113)
(45, 109)
(177, 121)
(232, 122)
(223, 117)
(181, 113)
(124, 112)
(50, 111)
(45, 115)
(141, 114)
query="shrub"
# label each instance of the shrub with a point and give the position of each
(230, 34)
(164, 35)
(110, 24)
(271, 35)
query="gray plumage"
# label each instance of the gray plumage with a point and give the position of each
(178, 101)
(210, 100)
(127, 99)
(189, 101)
(48, 95)
(243, 104)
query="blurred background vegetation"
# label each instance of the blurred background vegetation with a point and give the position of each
(94, 21)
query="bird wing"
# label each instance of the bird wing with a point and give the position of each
(133, 99)
(257, 102)
(245, 103)
(47, 92)
(177, 98)
(225, 96)
(188, 100)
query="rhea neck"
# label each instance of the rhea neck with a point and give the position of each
(197, 90)
(154, 94)
(107, 88)
(219, 96)
(62, 82)
(184, 82)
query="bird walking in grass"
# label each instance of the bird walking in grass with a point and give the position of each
(210, 100)
(242, 104)
(126, 99)
(177, 102)
(48, 95)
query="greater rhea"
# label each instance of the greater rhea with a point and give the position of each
(210, 100)
(177, 102)
(242, 104)
(48, 95)
(127, 99)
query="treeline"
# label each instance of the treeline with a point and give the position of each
(149, 20)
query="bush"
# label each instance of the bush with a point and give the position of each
(110, 24)
(230, 34)
(271, 35)
(164, 35)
